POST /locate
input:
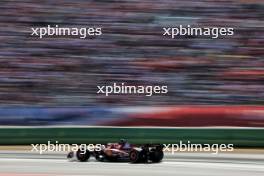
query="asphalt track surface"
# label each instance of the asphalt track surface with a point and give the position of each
(17, 163)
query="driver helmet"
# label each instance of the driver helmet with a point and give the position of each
(122, 142)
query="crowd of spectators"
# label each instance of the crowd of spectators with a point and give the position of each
(65, 71)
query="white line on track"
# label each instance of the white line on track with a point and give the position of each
(237, 166)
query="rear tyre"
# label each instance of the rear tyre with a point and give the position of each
(156, 155)
(83, 155)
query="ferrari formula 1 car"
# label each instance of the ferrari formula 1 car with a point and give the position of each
(122, 151)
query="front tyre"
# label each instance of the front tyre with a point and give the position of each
(100, 156)
(70, 155)
(83, 155)
(134, 156)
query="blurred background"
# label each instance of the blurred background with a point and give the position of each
(59, 71)
(53, 81)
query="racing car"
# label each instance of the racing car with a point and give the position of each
(122, 151)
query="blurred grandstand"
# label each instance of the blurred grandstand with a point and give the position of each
(62, 72)
(66, 71)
